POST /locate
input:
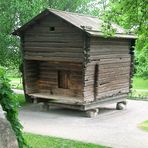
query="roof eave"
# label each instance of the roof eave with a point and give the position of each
(117, 35)
(19, 31)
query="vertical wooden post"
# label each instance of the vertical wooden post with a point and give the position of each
(86, 53)
(96, 80)
(132, 43)
(27, 98)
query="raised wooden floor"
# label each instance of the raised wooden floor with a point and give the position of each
(75, 103)
(58, 98)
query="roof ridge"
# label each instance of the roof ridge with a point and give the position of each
(73, 13)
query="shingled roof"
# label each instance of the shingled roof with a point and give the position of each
(90, 24)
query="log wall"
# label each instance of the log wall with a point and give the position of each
(31, 72)
(48, 78)
(64, 43)
(96, 67)
(108, 71)
(49, 46)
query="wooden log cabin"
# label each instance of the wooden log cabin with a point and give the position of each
(68, 62)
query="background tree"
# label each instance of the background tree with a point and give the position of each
(13, 14)
(133, 16)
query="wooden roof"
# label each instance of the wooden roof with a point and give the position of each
(89, 24)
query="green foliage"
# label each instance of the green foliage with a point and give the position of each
(21, 99)
(68, 5)
(133, 16)
(142, 59)
(13, 14)
(10, 106)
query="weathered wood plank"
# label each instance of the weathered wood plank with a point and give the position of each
(42, 58)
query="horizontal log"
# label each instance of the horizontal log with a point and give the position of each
(54, 38)
(105, 56)
(113, 78)
(55, 54)
(41, 58)
(53, 44)
(49, 79)
(71, 69)
(117, 65)
(113, 74)
(114, 69)
(54, 49)
(108, 53)
(111, 93)
(113, 87)
(107, 74)
(59, 29)
(109, 47)
(96, 39)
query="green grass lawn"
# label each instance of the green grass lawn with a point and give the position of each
(139, 83)
(144, 125)
(37, 141)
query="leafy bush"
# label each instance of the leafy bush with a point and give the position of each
(21, 99)
(142, 62)
(10, 106)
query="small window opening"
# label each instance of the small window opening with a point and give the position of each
(63, 79)
(52, 28)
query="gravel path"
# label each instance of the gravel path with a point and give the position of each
(112, 128)
(18, 91)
